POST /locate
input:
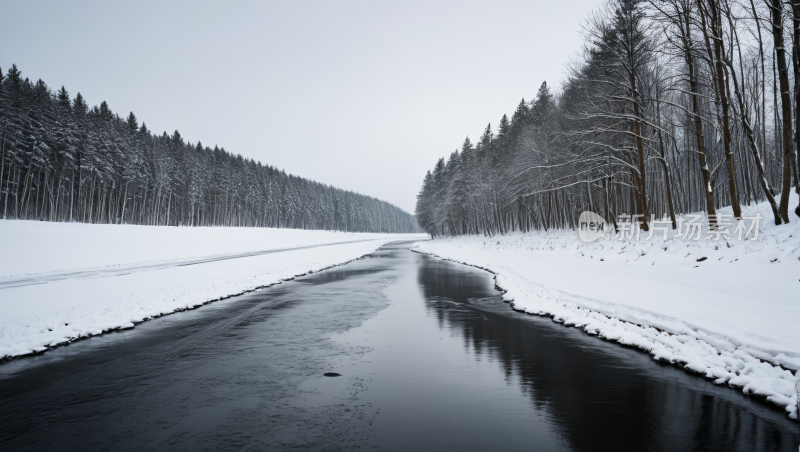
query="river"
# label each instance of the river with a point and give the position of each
(428, 356)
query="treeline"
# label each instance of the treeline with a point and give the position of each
(63, 161)
(674, 106)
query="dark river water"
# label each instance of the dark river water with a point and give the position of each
(430, 359)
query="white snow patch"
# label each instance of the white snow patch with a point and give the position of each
(36, 317)
(732, 317)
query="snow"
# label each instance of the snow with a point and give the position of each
(115, 276)
(732, 317)
(32, 247)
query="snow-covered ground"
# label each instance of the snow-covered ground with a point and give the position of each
(63, 281)
(728, 309)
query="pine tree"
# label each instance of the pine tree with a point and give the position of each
(15, 83)
(485, 142)
(105, 112)
(542, 106)
(503, 128)
(467, 146)
(79, 106)
(132, 123)
(63, 99)
(520, 114)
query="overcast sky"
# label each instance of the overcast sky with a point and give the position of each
(362, 95)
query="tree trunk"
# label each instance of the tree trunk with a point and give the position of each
(641, 193)
(3, 166)
(708, 188)
(786, 108)
(751, 141)
(722, 89)
(796, 61)
(665, 167)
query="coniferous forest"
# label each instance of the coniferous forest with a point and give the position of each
(61, 160)
(670, 107)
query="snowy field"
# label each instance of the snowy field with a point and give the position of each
(63, 281)
(728, 309)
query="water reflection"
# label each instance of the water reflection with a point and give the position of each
(248, 373)
(599, 395)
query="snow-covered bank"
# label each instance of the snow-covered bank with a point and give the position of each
(36, 317)
(727, 309)
(35, 247)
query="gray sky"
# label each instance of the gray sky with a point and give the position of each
(363, 95)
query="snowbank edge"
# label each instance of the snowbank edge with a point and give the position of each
(750, 386)
(126, 325)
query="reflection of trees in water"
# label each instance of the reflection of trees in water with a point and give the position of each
(599, 400)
